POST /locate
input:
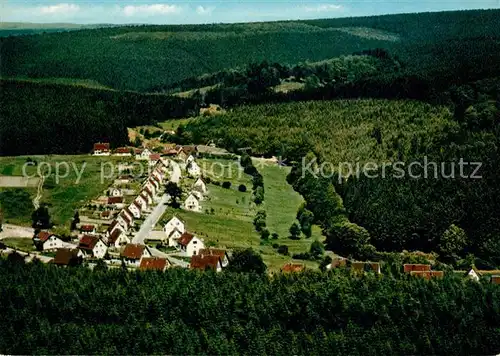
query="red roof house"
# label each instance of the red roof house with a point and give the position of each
(154, 264)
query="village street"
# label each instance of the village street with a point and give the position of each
(151, 220)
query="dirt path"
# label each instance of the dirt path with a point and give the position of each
(36, 201)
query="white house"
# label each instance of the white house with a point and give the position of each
(92, 246)
(192, 203)
(101, 149)
(143, 155)
(143, 201)
(198, 195)
(174, 223)
(133, 253)
(115, 192)
(47, 241)
(190, 244)
(189, 159)
(173, 238)
(135, 209)
(153, 159)
(122, 152)
(118, 238)
(193, 169)
(473, 275)
(151, 186)
(148, 196)
(159, 174)
(124, 220)
(200, 186)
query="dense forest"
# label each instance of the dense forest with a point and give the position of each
(362, 215)
(51, 310)
(145, 57)
(40, 118)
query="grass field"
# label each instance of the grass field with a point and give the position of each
(19, 243)
(172, 125)
(227, 215)
(65, 195)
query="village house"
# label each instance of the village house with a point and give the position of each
(106, 215)
(147, 195)
(101, 149)
(117, 238)
(185, 152)
(158, 173)
(172, 240)
(46, 241)
(193, 169)
(200, 186)
(123, 179)
(115, 192)
(192, 203)
(293, 268)
(143, 154)
(198, 195)
(157, 182)
(173, 229)
(190, 244)
(88, 229)
(154, 264)
(123, 152)
(67, 257)
(143, 201)
(136, 209)
(115, 201)
(222, 254)
(124, 220)
(92, 246)
(152, 186)
(476, 275)
(153, 159)
(206, 262)
(337, 262)
(133, 253)
(408, 268)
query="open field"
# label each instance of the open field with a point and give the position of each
(74, 187)
(227, 215)
(172, 125)
(19, 243)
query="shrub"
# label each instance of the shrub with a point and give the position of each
(226, 185)
(283, 250)
(242, 188)
(264, 234)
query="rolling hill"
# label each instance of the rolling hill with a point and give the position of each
(144, 57)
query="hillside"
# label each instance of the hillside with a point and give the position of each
(144, 57)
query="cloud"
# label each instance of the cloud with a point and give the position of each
(324, 8)
(201, 10)
(58, 9)
(151, 10)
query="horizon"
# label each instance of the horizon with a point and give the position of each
(143, 12)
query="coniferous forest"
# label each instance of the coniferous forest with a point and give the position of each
(49, 310)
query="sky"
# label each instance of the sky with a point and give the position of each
(210, 11)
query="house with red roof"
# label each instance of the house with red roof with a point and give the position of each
(116, 201)
(133, 253)
(153, 159)
(123, 152)
(408, 268)
(148, 196)
(88, 229)
(427, 274)
(143, 154)
(293, 268)
(222, 254)
(136, 209)
(117, 238)
(47, 241)
(143, 201)
(92, 246)
(124, 220)
(190, 244)
(101, 149)
(206, 262)
(154, 264)
(67, 257)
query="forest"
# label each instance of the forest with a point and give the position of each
(170, 54)
(51, 310)
(360, 216)
(39, 118)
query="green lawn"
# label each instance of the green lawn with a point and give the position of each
(230, 223)
(172, 125)
(66, 195)
(19, 243)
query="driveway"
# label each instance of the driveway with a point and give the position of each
(151, 220)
